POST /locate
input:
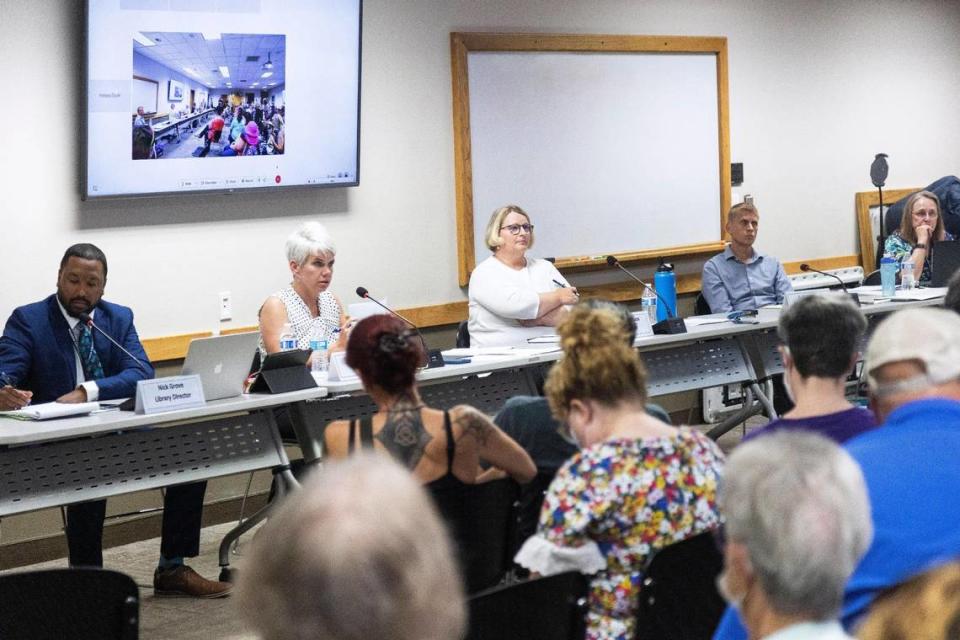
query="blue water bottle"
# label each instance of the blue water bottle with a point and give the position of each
(888, 275)
(665, 282)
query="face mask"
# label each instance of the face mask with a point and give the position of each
(734, 601)
(786, 387)
(567, 434)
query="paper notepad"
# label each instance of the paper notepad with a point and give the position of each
(50, 410)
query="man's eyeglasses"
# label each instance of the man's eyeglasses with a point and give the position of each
(514, 229)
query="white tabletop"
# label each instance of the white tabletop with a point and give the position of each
(18, 432)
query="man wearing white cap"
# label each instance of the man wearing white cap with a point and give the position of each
(912, 462)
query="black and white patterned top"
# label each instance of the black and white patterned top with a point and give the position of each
(302, 323)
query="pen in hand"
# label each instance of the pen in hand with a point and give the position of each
(566, 286)
(9, 389)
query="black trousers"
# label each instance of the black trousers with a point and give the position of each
(180, 536)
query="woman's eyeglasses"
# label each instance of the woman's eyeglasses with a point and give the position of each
(514, 229)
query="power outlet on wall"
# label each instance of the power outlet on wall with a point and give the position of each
(226, 306)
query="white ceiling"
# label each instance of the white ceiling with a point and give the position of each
(243, 54)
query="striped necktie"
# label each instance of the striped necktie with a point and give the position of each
(92, 369)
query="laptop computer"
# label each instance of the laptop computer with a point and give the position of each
(222, 362)
(944, 262)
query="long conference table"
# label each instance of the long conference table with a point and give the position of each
(59, 462)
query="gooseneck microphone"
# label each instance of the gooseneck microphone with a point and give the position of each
(87, 320)
(853, 296)
(434, 357)
(806, 267)
(672, 324)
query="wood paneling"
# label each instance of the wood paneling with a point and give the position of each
(170, 347)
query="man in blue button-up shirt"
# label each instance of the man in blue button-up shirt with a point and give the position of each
(742, 278)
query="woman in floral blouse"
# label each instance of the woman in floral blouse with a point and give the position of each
(637, 484)
(920, 226)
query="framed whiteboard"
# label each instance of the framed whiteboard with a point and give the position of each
(613, 144)
(145, 94)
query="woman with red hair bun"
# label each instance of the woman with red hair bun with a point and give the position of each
(441, 448)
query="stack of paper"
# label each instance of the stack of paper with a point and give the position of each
(50, 410)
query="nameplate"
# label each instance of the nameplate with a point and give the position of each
(339, 371)
(169, 394)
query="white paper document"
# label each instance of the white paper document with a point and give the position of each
(50, 410)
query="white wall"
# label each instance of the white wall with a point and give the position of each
(816, 88)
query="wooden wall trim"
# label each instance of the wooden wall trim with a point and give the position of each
(436, 315)
(864, 200)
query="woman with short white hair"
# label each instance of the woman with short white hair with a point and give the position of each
(306, 304)
(513, 297)
(359, 553)
(797, 522)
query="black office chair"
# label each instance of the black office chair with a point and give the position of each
(550, 608)
(678, 597)
(463, 335)
(872, 279)
(80, 604)
(700, 306)
(481, 519)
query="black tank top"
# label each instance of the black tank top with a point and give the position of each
(445, 483)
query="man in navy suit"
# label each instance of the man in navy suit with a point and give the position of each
(47, 354)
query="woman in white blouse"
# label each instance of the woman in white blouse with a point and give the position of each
(513, 297)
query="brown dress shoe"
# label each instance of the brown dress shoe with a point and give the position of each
(184, 581)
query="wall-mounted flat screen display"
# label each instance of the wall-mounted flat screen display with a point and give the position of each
(186, 96)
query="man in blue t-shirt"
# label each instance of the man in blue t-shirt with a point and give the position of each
(909, 463)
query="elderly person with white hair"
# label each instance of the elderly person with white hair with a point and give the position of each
(513, 297)
(359, 554)
(306, 304)
(797, 522)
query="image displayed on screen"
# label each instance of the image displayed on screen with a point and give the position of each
(242, 112)
(175, 87)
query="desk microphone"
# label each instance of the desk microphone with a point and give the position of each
(672, 324)
(434, 357)
(807, 268)
(87, 320)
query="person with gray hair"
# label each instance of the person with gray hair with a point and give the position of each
(305, 305)
(797, 521)
(359, 554)
(821, 337)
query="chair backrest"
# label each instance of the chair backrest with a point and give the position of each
(480, 518)
(463, 335)
(79, 604)
(678, 596)
(872, 279)
(550, 608)
(700, 306)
